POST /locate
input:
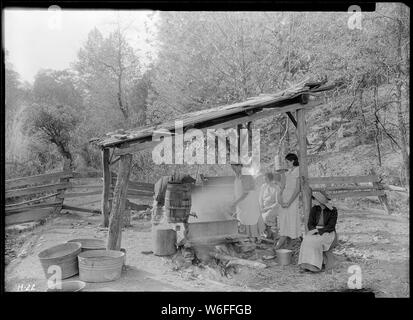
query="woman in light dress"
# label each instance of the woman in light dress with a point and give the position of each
(246, 204)
(289, 216)
(269, 206)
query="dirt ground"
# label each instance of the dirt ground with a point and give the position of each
(368, 237)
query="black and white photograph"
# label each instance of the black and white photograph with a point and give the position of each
(167, 150)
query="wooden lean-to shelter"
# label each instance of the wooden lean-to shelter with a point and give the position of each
(293, 101)
(124, 143)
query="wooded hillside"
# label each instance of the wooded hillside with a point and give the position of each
(205, 59)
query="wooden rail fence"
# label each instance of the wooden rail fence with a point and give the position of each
(43, 191)
(338, 187)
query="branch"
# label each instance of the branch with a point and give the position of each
(385, 131)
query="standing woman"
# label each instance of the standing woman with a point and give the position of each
(289, 216)
(246, 204)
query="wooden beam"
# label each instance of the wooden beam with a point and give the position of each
(208, 122)
(91, 174)
(65, 207)
(342, 188)
(141, 186)
(263, 114)
(36, 189)
(356, 194)
(87, 186)
(130, 193)
(234, 260)
(31, 207)
(136, 207)
(394, 188)
(42, 178)
(343, 180)
(303, 167)
(234, 122)
(32, 200)
(136, 148)
(106, 187)
(118, 203)
(82, 194)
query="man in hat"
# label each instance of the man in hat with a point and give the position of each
(321, 233)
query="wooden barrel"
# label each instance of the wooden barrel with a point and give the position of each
(164, 241)
(177, 202)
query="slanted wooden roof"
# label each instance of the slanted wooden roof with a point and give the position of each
(297, 96)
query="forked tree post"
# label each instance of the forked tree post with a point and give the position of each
(106, 187)
(118, 203)
(303, 167)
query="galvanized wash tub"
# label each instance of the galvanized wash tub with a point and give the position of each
(100, 265)
(90, 244)
(63, 256)
(68, 286)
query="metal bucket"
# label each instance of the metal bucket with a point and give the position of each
(90, 244)
(177, 202)
(100, 265)
(64, 256)
(164, 241)
(284, 256)
(69, 286)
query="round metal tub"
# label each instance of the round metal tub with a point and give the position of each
(64, 256)
(69, 286)
(91, 244)
(100, 265)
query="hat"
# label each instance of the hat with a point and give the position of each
(322, 199)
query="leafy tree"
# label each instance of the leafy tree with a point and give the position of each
(53, 124)
(109, 67)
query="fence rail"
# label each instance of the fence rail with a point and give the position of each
(49, 191)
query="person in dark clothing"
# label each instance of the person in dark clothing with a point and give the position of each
(321, 233)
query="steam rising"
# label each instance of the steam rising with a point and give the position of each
(212, 203)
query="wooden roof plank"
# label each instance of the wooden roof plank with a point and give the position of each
(221, 114)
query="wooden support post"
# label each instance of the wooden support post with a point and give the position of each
(249, 128)
(118, 204)
(305, 189)
(382, 198)
(61, 196)
(106, 187)
(239, 127)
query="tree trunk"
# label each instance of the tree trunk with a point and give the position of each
(64, 151)
(401, 125)
(376, 123)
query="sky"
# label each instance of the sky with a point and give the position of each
(50, 39)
